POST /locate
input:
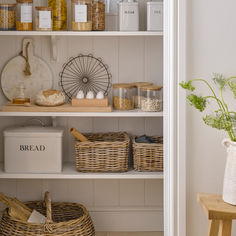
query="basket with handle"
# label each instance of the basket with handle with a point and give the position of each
(66, 219)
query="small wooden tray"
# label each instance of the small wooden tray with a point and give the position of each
(89, 102)
(63, 108)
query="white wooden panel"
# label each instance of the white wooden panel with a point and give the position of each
(132, 125)
(153, 193)
(105, 125)
(29, 190)
(106, 192)
(131, 56)
(154, 126)
(81, 192)
(131, 192)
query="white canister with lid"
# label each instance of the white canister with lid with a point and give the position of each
(33, 149)
(154, 16)
(128, 15)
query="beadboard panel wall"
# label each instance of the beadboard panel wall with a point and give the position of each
(115, 205)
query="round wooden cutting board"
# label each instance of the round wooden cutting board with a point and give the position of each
(13, 75)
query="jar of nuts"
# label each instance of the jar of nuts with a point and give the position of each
(152, 98)
(98, 15)
(138, 93)
(7, 16)
(43, 19)
(59, 14)
(123, 96)
(81, 15)
(24, 15)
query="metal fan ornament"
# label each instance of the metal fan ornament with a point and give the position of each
(86, 73)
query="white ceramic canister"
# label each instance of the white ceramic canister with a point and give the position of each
(229, 189)
(155, 16)
(128, 15)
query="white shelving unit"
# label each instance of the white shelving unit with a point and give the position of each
(147, 180)
(69, 172)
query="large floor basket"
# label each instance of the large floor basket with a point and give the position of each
(105, 152)
(148, 156)
(67, 219)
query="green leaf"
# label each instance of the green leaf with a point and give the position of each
(232, 86)
(197, 101)
(218, 121)
(187, 85)
(219, 79)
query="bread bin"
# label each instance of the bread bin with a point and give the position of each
(33, 149)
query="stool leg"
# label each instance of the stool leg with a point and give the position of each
(213, 228)
(225, 228)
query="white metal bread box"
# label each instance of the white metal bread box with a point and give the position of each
(33, 149)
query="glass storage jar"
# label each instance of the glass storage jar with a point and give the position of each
(152, 98)
(123, 96)
(138, 93)
(81, 15)
(98, 15)
(24, 15)
(7, 16)
(59, 14)
(43, 19)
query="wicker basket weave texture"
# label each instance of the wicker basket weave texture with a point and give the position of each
(63, 219)
(106, 152)
(148, 156)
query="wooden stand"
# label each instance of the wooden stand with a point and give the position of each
(219, 213)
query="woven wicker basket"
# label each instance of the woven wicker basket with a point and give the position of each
(148, 156)
(106, 152)
(67, 219)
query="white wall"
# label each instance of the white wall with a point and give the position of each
(211, 47)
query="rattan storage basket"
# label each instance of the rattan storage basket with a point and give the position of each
(148, 156)
(106, 152)
(67, 219)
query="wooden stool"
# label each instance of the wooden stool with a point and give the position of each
(219, 213)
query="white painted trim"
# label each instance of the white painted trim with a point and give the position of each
(174, 123)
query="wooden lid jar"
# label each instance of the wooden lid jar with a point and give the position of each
(123, 96)
(138, 93)
(152, 98)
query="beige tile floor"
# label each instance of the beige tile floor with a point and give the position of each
(129, 234)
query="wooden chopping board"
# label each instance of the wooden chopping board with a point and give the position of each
(41, 77)
(62, 108)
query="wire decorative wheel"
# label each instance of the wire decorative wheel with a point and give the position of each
(86, 73)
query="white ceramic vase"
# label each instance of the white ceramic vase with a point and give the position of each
(229, 189)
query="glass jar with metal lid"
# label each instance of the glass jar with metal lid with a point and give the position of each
(98, 15)
(123, 96)
(43, 19)
(138, 93)
(152, 98)
(81, 15)
(24, 15)
(59, 14)
(7, 16)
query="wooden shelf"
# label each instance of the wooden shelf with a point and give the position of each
(133, 113)
(80, 33)
(69, 172)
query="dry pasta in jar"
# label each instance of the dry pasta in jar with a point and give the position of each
(24, 15)
(81, 15)
(7, 16)
(43, 19)
(98, 15)
(59, 14)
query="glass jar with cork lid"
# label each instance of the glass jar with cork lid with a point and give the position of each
(123, 96)
(7, 16)
(152, 98)
(138, 93)
(43, 19)
(81, 15)
(24, 15)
